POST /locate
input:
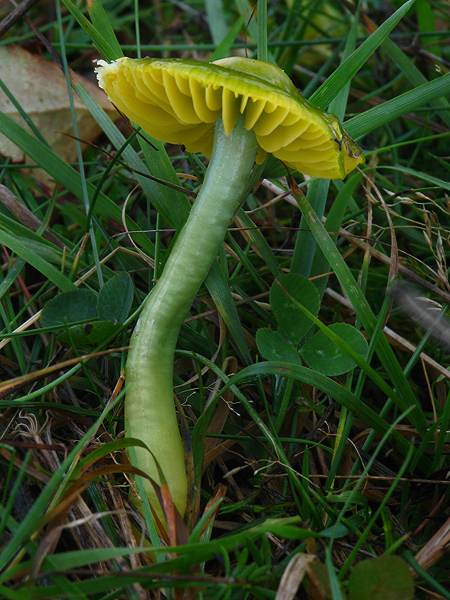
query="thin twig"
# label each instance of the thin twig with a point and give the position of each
(17, 13)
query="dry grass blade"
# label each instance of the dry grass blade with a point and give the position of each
(437, 547)
(25, 216)
(12, 385)
(395, 338)
(114, 159)
(16, 13)
(293, 576)
(424, 313)
(393, 263)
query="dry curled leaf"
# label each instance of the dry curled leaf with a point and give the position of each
(293, 575)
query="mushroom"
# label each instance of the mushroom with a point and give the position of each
(234, 111)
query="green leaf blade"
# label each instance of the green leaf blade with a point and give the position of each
(292, 321)
(69, 307)
(115, 298)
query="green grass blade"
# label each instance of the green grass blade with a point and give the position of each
(415, 77)
(326, 385)
(262, 30)
(333, 222)
(305, 244)
(260, 243)
(217, 21)
(102, 44)
(219, 288)
(392, 109)
(425, 20)
(366, 316)
(245, 9)
(103, 26)
(172, 205)
(224, 47)
(28, 524)
(305, 247)
(65, 174)
(346, 71)
(32, 256)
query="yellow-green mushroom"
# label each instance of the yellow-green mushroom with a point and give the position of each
(235, 111)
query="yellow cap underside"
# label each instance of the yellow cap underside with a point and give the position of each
(181, 106)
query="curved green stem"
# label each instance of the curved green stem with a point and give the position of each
(149, 405)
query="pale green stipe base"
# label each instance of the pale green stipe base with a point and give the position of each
(149, 404)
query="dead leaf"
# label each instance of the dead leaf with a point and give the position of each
(318, 583)
(40, 87)
(293, 576)
(434, 549)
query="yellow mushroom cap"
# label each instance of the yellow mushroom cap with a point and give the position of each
(178, 101)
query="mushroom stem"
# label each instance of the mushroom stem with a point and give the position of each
(149, 404)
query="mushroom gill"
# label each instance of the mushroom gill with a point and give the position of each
(178, 101)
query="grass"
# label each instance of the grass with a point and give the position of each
(324, 474)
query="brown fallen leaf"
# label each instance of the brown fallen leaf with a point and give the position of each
(435, 548)
(40, 87)
(293, 575)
